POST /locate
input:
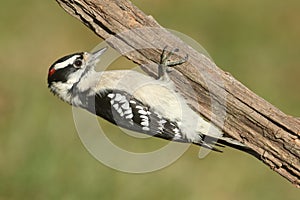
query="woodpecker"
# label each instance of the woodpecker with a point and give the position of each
(134, 101)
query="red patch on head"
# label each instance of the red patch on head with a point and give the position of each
(51, 72)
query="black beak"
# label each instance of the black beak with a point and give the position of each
(95, 56)
(98, 53)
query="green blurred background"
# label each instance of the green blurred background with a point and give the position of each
(41, 156)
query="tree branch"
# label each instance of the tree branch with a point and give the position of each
(250, 119)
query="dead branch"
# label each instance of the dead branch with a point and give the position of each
(250, 119)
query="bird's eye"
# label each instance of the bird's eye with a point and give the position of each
(78, 63)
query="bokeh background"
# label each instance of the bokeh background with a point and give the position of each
(41, 156)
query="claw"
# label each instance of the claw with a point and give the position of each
(165, 63)
(178, 62)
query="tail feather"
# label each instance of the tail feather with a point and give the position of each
(209, 146)
(210, 143)
(238, 146)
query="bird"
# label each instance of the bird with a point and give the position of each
(135, 101)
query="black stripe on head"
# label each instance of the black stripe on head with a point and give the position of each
(61, 74)
(67, 57)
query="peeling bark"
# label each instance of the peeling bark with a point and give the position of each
(250, 119)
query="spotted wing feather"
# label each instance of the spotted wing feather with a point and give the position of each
(122, 109)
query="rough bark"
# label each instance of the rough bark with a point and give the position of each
(248, 118)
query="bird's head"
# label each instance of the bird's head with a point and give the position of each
(67, 71)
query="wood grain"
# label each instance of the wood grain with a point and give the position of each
(213, 93)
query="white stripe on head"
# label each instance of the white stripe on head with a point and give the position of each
(65, 63)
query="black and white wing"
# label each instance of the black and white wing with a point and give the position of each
(122, 109)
